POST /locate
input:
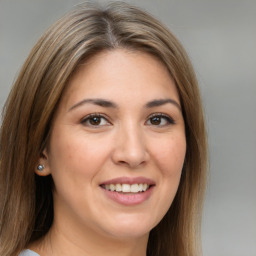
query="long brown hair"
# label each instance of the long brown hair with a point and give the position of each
(26, 212)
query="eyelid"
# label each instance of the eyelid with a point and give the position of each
(100, 115)
(169, 119)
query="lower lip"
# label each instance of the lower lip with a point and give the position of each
(129, 198)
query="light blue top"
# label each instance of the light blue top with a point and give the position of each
(28, 253)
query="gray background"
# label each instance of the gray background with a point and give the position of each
(220, 37)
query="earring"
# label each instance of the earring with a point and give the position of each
(40, 167)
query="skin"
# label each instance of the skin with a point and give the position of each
(125, 142)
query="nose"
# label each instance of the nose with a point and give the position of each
(130, 148)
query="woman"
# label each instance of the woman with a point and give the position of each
(103, 146)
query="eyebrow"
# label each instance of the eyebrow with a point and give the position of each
(160, 102)
(110, 104)
(98, 102)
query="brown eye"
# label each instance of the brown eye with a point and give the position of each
(160, 120)
(156, 120)
(95, 120)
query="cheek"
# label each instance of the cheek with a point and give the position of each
(73, 163)
(170, 156)
(75, 154)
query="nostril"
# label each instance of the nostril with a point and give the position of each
(124, 163)
(130, 164)
(130, 154)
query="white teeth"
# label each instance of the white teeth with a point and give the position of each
(135, 188)
(145, 187)
(118, 187)
(127, 188)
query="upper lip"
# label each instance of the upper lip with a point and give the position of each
(129, 180)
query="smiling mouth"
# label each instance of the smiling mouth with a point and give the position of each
(127, 188)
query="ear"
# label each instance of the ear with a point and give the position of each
(43, 168)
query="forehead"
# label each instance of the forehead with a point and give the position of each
(118, 73)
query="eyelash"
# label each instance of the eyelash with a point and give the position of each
(90, 118)
(85, 121)
(167, 118)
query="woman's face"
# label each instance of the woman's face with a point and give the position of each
(117, 147)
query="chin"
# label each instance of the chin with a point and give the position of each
(132, 227)
(130, 234)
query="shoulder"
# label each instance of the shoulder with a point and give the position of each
(28, 253)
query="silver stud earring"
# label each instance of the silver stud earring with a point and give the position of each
(40, 167)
